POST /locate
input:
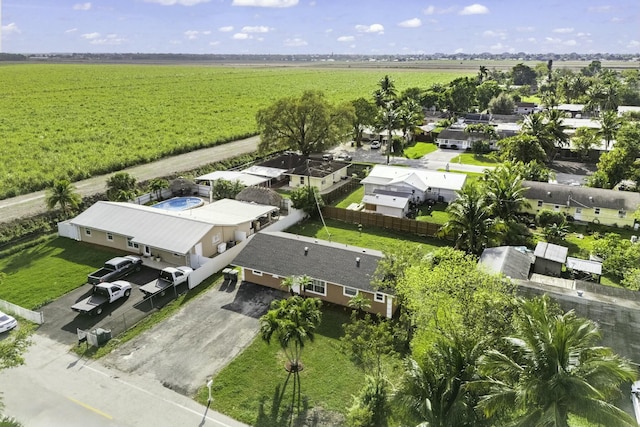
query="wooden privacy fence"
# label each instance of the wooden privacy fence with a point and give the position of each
(368, 219)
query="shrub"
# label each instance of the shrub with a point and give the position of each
(547, 217)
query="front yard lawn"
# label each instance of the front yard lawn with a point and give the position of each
(38, 275)
(248, 388)
(420, 149)
(474, 159)
(355, 197)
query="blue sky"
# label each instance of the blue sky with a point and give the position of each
(320, 26)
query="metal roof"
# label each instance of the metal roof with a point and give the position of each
(283, 254)
(228, 212)
(386, 200)
(420, 179)
(243, 178)
(145, 225)
(264, 171)
(551, 252)
(593, 267)
(510, 261)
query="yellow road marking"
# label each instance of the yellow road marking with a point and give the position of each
(84, 405)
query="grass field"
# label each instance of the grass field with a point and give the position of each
(474, 159)
(78, 120)
(420, 149)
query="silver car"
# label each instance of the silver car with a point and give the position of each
(7, 322)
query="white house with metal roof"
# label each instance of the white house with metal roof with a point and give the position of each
(179, 238)
(421, 184)
(245, 179)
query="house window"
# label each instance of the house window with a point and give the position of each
(621, 214)
(539, 203)
(256, 273)
(317, 287)
(87, 231)
(215, 239)
(378, 297)
(110, 237)
(302, 180)
(131, 243)
(578, 210)
(596, 211)
(349, 292)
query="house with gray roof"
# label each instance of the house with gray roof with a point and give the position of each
(303, 171)
(338, 272)
(510, 261)
(549, 259)
(586, 204)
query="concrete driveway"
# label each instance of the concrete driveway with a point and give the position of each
(203, 337)
(61, 323)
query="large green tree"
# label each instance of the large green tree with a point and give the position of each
(621, 162)
(485, 92)
(522, 148)
(308, 124)
(523, 75)
(63, 194)
(553, 368)
(504, 192)
(364, 116)
(121, 187)
(460, 96)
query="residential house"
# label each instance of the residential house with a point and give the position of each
(388, 203)
(338, 272)
(586, 204)
(179, 238)
(573, 110)
(549, 259)
(457, 138)
(417, 185)
(246, 179)
(303, 171)
(523, 108)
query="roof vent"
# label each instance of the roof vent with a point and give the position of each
(306, 250)
(358, 261)
(549, 193)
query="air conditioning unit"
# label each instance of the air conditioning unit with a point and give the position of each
(634, 239)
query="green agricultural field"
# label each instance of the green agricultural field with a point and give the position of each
(79, 120)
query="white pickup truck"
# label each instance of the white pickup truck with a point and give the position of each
(168, 277)
(103, 294)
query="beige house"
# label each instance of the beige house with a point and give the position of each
(179, 238)
(338, 272)
(586, 204)
(302, 171)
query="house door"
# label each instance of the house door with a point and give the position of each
(578, 214)
(146, 251)
(199, 249)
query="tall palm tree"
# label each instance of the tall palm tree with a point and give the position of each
(482, 73)
(536, 125)
(63, 194)
(610, 123)
(470, 220)
(409, 118)
(386, 92)
(504, 192)
(557, 128)
(552, 369)
(157, 185)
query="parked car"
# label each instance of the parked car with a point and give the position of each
(102, 295)
(7, 322)
(375, 145)
(115, 268)
(344, 157)
(327, 157)
(168, 277)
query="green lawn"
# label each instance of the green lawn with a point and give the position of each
(373, 238)
(49, 270)
(420, 149)
(437, 215)
(248, 388)
(471, 176)
(355, 197)
(474, 159)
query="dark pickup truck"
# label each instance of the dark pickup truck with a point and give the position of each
(115, 268)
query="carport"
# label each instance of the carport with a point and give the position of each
(584, 268)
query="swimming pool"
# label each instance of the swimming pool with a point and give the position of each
(180, 203)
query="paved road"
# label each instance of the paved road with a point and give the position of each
(55, 388)
(33, 203)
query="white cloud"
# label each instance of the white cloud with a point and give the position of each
(458, 50)
(570, 43)
(598, 9)
(295, 42)
(90, 36)
(180, 2)
(525, 29)
(373, 28)
(474, 9)
(552, 40)
(345, 38)
(616, 19)
(328, 30)
(531, 40)
(432, 10)
(583, 35)
(10, 29)
(499, 47)
(191, 35)
(214, 43)
(493, 34)
(256, 29)
(265, 3)
(633, 44)
(71, 30)
(411, 23)
(82, 6)
(241, 36)
(563, 30)
(226, 29)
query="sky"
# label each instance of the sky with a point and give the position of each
(365, 27)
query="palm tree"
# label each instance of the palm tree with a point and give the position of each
(552, 369)
(482, 73)
(409, 118)
(388, 119)
(610, 123)
(121, 187)
(557, 128)
(536, 126)
(470, 220)
(157, 185)
(504, 192)
(386, 92)
(62, 193)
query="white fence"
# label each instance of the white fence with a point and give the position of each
(33, 316)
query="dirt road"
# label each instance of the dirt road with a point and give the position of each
(33, 203)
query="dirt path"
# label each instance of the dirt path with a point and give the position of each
(33, 203)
